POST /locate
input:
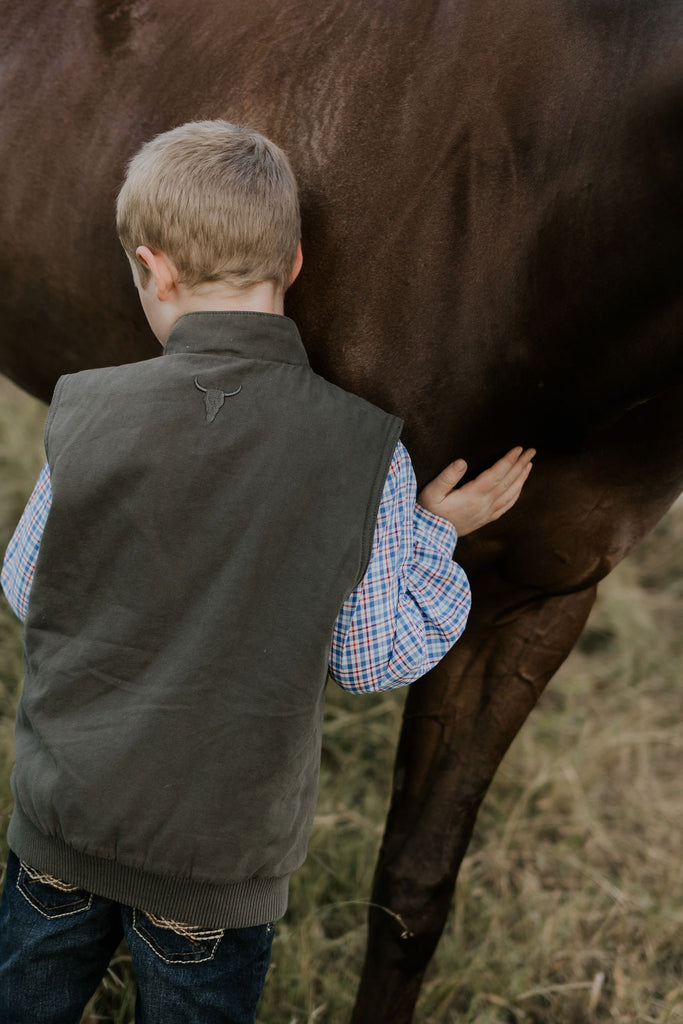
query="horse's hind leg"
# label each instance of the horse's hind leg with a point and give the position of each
(458, 723)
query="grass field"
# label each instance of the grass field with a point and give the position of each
(569, 908)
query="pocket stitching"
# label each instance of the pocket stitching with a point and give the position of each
(189, 958)
(33, 902)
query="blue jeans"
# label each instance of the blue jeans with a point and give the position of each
(56, 943)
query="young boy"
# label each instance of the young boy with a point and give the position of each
(223, 527)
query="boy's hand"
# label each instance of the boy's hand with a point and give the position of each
(481, 500)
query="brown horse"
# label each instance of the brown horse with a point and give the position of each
(492, 229)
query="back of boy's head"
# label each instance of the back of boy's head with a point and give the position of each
(219, 199)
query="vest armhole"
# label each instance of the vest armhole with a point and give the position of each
(393, 434)
(52, 412)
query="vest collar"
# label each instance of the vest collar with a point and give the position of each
(248, 334)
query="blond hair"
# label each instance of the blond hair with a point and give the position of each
(220, 200)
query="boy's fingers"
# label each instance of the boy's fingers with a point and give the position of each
(516, 458)
(517, 475)
(497, 475)
(502, 467)
(510, 468)
(509, 472)
(449, 477)
(509, 496)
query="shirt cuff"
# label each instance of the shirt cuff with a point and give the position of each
(433, 531)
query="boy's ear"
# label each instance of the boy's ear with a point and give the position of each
(298, 263)
(161, 268)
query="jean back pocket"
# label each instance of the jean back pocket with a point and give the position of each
(49, 896)
(176, 943)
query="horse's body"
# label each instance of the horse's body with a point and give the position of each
(492, 237)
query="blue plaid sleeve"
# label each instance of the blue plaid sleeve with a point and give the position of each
(22, 552)
(413, 602)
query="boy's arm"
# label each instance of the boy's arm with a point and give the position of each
(413, 602)
(22, 551)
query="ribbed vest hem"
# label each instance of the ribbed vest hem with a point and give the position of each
(205, 904)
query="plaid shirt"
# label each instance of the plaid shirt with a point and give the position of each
(405, 614)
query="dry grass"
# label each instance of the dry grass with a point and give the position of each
(569, 907)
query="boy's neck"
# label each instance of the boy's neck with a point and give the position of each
(165, 298)
(264, 297)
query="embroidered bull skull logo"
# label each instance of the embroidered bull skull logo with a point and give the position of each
(214, 399)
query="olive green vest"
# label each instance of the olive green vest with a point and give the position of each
(212, 510)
